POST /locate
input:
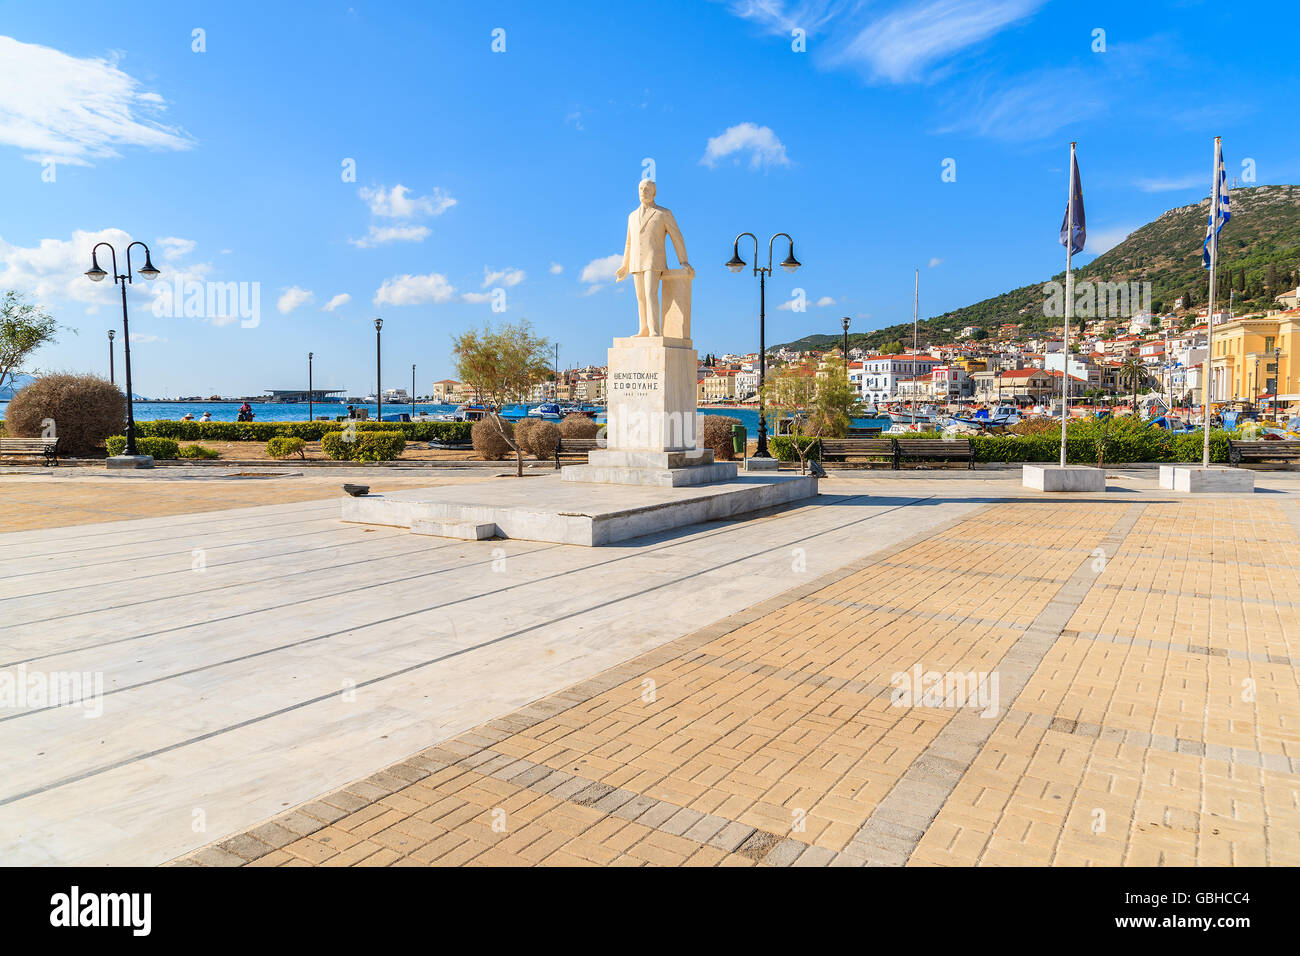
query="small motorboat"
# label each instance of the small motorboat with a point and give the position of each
(549, 411)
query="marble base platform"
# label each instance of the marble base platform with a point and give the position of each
(1069, 478)
(129, 461)
(551, 509)
(1194, 479)
(650, 475)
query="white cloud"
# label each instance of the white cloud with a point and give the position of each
(825, 300)
(476, 297)
(1101, 240)
(397, 203)
(556, 268)
(762, 145)
(144, 338)
(339, 300)
(1165, 185)
(599, 271)
(902, 44)
(415, 290)
(171, 247)
(71, 110)
(379, 235)
(220, 320)
(938, 262)
(53, 270)
(506, 277)
(292, 298)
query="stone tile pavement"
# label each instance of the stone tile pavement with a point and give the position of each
(1118, 685)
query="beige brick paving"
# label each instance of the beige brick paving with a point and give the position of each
(1150, 715)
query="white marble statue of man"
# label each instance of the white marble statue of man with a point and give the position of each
(645, 257)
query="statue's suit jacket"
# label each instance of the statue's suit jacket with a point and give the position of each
(644, 250)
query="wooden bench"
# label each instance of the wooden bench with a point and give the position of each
(48, 448)
(841, 449)
(936, 449)
(575, 449)
(872, 432)
(1239, 451)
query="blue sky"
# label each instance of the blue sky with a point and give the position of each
(478, 170)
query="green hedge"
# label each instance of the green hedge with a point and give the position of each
(368, 446)
(1125, 441)
(783, 449)
(455, 433)
(196, 451)
(157, 447)
(286, 446)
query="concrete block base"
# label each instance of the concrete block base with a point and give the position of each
(609, 458)
(1069, 478)
(130, 461)
(762, 464)
(656, 477)
(566, 512)
(465, 530)
(1196, 479)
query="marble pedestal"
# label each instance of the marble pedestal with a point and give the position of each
(1195, 479)
(651, 434)
(1069, 478)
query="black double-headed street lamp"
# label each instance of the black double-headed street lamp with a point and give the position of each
(845, 322)
(311, 409)
(112, 378)
(96, 274)
(379, 387)
(789, 264)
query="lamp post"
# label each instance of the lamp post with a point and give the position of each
(379, 388)
(412, 391)
(789, 264)
(112, 379)
(311, 410)
(845, 322)
(96, 274)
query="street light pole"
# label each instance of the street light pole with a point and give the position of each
(311, 410)
(789, 264)
(845, 322)
(96, 274)
(412, 391)
(379, 387)
(112, 379)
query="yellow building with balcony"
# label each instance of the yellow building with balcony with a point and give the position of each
(1253, 356)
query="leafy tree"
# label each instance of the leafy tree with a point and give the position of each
(1133, 375)
(502, 365)
(835, 404)
(24, 328)
(980, 334)
(894, 347)
(789, 394)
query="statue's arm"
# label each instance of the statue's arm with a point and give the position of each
(679, 244)
(621, 274)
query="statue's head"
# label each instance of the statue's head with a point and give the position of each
(647, 191)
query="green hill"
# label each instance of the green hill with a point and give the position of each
(1259, 257)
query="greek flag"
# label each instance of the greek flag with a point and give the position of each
(1211, 229)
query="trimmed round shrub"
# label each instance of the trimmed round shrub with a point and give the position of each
(365, 446)
(578, 426)
(715, 433)
(83, 411)
(488, 442)
(523, 432)
(543, 440)
(159, 448)
(286, 446)
(197, 451)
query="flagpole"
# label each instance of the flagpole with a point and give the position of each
(1209, 326)
(916, 301)
(1069, 302)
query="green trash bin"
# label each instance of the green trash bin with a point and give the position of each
(739, 439)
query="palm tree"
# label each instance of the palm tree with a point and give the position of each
(1133, 375)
